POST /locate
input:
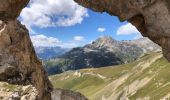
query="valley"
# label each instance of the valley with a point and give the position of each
(144, 79)
(104, 51)
(65, 50)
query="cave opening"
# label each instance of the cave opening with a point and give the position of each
(98, 64)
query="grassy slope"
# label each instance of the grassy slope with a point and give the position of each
(112, 82)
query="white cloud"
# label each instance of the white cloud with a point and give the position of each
(127, 29)
(49, 13)
(70, 44)
(101, 29)
(44, 41)
(78, 38)
(138, 36)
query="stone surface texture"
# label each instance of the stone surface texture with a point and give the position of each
(59, 94)
(17, 92)
(18, 61)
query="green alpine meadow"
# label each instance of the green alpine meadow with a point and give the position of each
(144, 79)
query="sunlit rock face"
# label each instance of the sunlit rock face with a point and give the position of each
(18, 61)
(151, 17)
(10, 9)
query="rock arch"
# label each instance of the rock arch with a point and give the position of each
(18, 61)
(151, 17)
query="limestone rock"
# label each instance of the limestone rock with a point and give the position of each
(18, 61)
(29, 93)
(17, 92)
(15, 96)
(151, 17)
(59, 94)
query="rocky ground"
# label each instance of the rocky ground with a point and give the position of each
(17, 92)
(28, 92)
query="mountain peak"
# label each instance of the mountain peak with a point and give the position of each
(105, 41)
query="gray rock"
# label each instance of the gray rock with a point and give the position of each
(59, 94)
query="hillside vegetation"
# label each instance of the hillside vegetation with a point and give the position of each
(145, 79)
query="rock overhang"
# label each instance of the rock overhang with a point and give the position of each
(151, 17)
(10, 9)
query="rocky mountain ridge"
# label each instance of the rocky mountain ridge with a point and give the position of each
(146, 44)
(105, 51)
(49, 52)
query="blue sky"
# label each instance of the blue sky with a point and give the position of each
(68, 25)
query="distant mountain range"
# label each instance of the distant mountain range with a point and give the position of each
(145, 44)
(105, 51)
(45, 53)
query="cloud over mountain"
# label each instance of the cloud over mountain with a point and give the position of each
(127, 29)
(44, 41)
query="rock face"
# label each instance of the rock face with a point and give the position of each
(151, 17)
(10, 9)
(18, 61)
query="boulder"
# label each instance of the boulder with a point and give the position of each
(60, 94)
